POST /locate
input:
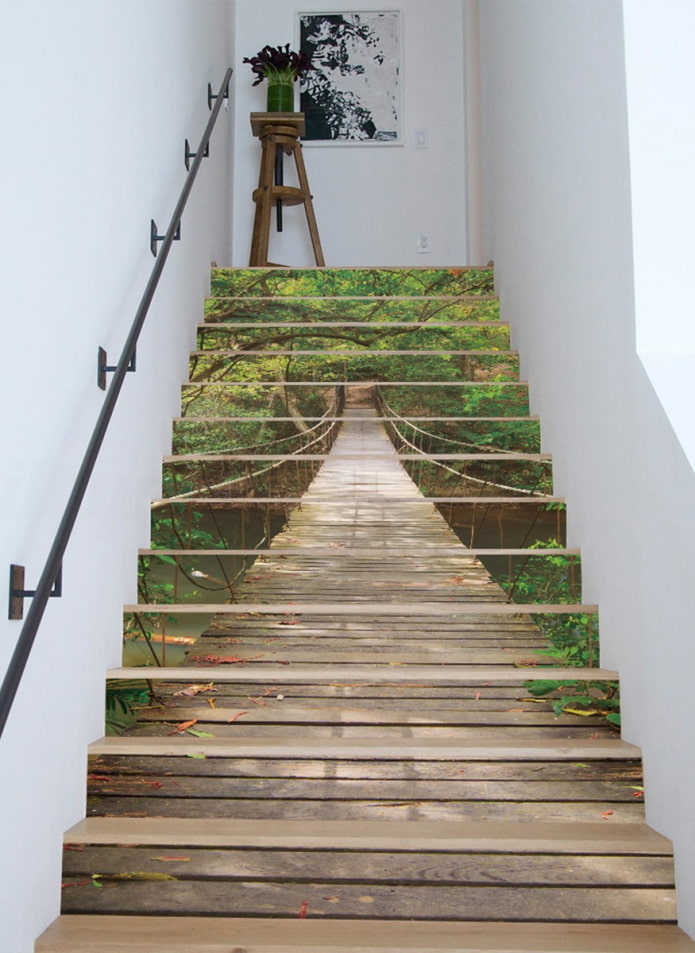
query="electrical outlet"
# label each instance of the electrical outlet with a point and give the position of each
(423, 243)
(421, 139)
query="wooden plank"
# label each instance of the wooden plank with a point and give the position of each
(399, 835)
(301, 502)
(360, 457)
(287, 714)
(351, 867)
(449, 674)
(251, 418)
(369, 901)
(311, 552)
(172, 934)
(343, 748)
(481, 734)
(376, 610)
(309, 811)
(459, 790)
(626, 773)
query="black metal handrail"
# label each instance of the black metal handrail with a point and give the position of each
(54, 560)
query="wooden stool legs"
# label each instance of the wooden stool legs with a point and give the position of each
(279, 133)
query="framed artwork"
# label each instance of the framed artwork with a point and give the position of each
(353, 93)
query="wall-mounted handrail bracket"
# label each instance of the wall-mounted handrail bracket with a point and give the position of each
(212, 96)
(49, 579)
(18, 593)
(104, 368)
(188, 155)
(156, 237)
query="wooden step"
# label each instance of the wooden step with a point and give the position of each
(250, 418)
(372, 456)
(484, 837)
(537, 499)
(382, 674)
(131, 934)
(310, 552)
(238, 746)
(383, 609)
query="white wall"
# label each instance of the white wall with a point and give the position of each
(371, 201)
(559, 226)
(98, 99)
(660, 95)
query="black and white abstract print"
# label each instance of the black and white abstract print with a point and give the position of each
(353, 92)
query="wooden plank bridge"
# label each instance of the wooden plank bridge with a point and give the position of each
(347, 759)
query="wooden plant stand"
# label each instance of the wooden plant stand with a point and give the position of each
(279, 134)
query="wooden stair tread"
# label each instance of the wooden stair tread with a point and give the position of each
(275, 674)
(379, 610)
(520, 817)
(485, 836)
(357, 457)
(537, 500)
(344, 748)
(250, 418)
(310, 552)
(171, 934)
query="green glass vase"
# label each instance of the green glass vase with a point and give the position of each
(280, 97)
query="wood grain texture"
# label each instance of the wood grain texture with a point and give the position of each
(175, 934)
(352, 738)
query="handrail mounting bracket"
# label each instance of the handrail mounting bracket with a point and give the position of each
(104, 368)
(18, 593)
(156, 237)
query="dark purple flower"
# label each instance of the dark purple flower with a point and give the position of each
(278, 63)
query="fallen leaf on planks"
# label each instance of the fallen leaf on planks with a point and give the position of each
(171, 859)
(303, 910)
(183, 726)
(195, 690)
(234, 717)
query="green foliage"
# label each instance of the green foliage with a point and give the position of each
(418, 311)
(580, 697)
(573, 637)
(123, 698)
(351, 281)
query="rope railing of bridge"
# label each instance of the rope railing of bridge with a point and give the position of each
(326, 438)
(392, 418)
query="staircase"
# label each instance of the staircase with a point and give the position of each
(346, 754)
